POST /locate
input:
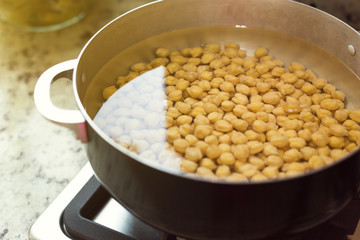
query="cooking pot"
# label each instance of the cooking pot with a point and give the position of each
(196, 208)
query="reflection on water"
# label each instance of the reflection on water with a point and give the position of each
(134, 117)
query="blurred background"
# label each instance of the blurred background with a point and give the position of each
(39, 158)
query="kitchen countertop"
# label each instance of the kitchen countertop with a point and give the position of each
(38, 157)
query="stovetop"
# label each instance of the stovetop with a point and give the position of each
(85, 210)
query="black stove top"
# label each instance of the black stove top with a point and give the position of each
(88, 216)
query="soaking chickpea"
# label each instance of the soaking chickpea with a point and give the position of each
(279, 141)
(223, 171)
(292, 155)
(239, 117)
(223, 126)
(193, 154)
(226, 158)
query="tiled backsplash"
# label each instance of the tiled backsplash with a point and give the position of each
(346, 10)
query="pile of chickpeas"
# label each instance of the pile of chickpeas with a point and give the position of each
(249, 118)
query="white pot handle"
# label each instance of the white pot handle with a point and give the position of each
(72, 119)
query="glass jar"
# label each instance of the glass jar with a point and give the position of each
(43, 15)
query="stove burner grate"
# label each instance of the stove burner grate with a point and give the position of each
(94, 215)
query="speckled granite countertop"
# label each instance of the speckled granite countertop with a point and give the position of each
(39, 158)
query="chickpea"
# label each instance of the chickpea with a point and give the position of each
(202, 131)
(336, 142)
(195, 91)
(328, 88)
(354, 135)
(227, 106)
(242, 88)
(193, 154)
(292, 155)
(351, 147)
(197, 111)
(215, 116)
(328, 121)
(225, 138)
(186, 129)
(204, 172)
(175, 95)
(212, 47)
(252, 135)
(236, 177)
(226, 158)
(204, 85)
(270, 171)
(305, 134)
(355, 115)
(308, 88)
(274, 161)
(316, 162)
(296, 166)
(331, 104)
(211, 140)
(258, 177)
(240, 98)
(279, 141)
(269, 149)
(271, 98)
(319, 82)
(297, 142)
(202, 146)
(239, 110)
(320, 138)
(351, 125)
(259, 126)
(220, 73)
(181, 85)
(216, 64)
(208, 163)
(337, 153)
(173, 67)
(256, 106)
(159, 62)
(324, 151)
(107, 92)
(241, 152)
(182, 107)
(341, 115)
(227, 87)
(287, 89)
(338, 95)
(338, 130)
(289, 78)
(223, 171)
(278, 111)
(180, 145)
(183, 119)
(292, 124)
(191, 139)
(248, 170)
(308, 152)
(223, 126)
(162, 52)
(178, 59)
(255, 147)
(188, 166)
(239, 124)
(238, 138)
